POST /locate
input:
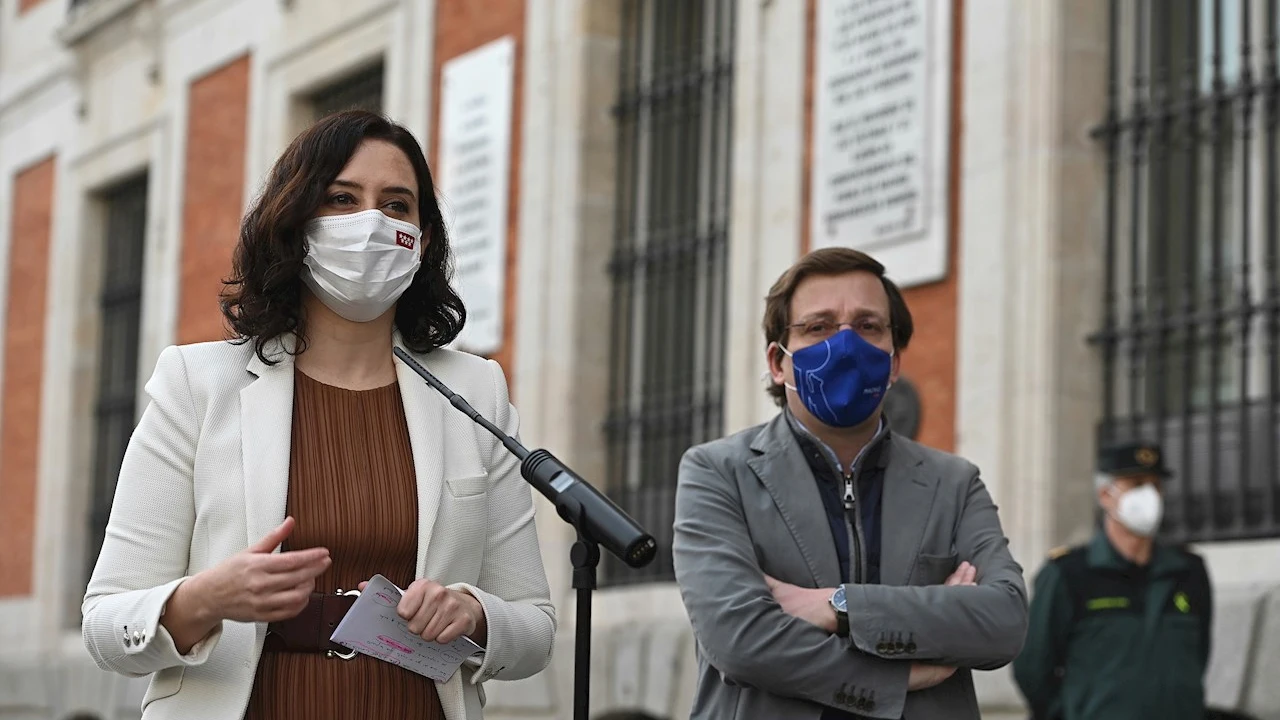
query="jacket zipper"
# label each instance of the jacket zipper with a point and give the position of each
(853, 522)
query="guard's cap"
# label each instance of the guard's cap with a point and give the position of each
(1132, 458)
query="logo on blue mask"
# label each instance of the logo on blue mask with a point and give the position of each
(841, 380)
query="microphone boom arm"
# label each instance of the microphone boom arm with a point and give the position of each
(461, 404)
(594, 516)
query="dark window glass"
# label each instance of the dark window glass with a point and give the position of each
(670, 259)
(361, 90)
(1190, 337)
(120, 307)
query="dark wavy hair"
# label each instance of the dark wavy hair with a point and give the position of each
(263, 297)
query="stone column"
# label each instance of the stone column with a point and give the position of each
(768, 167)
(561, 371)
(1031, 228)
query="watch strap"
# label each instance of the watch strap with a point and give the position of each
(842, 614)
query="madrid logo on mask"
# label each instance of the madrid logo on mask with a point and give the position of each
(404, 239)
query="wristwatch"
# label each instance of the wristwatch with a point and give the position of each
(842, 612)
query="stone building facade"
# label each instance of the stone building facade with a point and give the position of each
(661, 175)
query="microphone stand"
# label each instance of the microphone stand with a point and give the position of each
(584, 555)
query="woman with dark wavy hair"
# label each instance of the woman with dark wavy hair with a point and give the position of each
(305, 433)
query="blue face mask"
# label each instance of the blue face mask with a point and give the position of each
(841, 380)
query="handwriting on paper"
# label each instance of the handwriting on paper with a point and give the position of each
(373, 627)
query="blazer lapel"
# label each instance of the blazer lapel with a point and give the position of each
(782, 470)
(908, 499)
(266, 433)
(424, 413)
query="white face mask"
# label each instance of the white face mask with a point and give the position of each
(1140, 509)
(360, 264)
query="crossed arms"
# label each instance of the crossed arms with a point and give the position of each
(751, 639)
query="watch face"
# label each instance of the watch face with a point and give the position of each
(837, 600)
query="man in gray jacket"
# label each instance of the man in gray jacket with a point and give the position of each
(832, 569)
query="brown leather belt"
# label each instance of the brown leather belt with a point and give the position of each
(309, 630)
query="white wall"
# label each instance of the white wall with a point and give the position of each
(767, 173)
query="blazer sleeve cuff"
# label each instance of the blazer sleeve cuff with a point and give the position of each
(520, 638)
(131, 639)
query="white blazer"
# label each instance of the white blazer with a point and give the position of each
(207, 473)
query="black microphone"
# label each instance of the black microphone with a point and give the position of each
(595, 516)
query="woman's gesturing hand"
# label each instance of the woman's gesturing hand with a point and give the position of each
(251, 586)
(257, 585)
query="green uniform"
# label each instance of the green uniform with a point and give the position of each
(1111, 640)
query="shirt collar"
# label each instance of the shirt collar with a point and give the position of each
(805, 436)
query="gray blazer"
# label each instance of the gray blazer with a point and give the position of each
(748, 505)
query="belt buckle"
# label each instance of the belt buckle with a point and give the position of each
(334, 653)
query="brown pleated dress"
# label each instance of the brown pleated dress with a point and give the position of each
(352, 489)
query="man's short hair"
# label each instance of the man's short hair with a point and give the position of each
(829, 261)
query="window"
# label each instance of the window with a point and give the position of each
(359, 91)
(669, 262)
(1190, 338)
(120, 305)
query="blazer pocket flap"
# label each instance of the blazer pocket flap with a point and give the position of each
(468, 486)
(165, 683)
(934, 569)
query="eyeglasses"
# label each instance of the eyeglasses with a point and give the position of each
(870, 328)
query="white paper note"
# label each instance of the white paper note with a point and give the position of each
(373, 627)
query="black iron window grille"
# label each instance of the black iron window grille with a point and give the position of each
(361, 90)
(670, 259)
(1190, 339)
(120, 307)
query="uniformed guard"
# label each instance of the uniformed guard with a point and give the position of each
(1120, 628)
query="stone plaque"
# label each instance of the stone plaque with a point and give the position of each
(881, 121)
(473, 178)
